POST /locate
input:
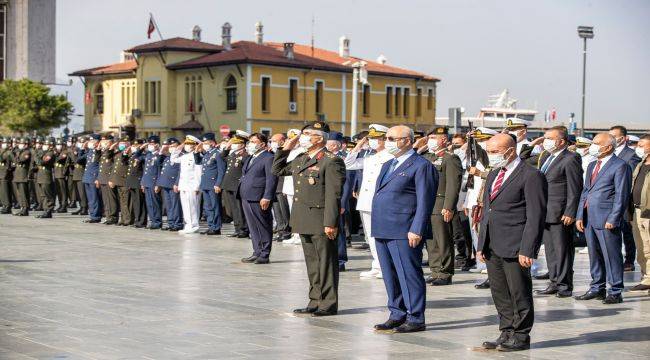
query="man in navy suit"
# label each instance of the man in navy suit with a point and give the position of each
(167, 185)
(91, 172)
(213, 168)
(401, 218)
(152, 163)
(628, 155)
(256, 191)
(603, 202)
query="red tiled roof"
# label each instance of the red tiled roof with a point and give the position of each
(189, 125)
(176, 44)
(372, 66)
(252, 53)
(119, 68)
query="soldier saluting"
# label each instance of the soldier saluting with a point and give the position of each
(318, 177)
(45, 163)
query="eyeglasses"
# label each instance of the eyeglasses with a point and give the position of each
(390, 138)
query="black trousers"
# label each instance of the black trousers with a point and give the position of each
(80, 194)
(138, 207)
(462, 236)
(62, 192)
(5, 193)
(48, 196)
(321, 257)
(441, 249)
(111, 204)
(22, 194)
(234, 205)
(512, 292)
(628, 242)
(260, 224)
(281, 214)
(558, 245)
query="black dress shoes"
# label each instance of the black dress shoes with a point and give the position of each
(306, 310)
(319, 313)
(242, 235)
(441, 282)
(261, 261)
(590, 295)
(389, 325)
(109, 222)
(153, 227)
(341, 267)
(484, 285)
(211, 232)
(543, 276)
(250, 259)
(513, 344)
(408, 327)
(550, 290)
(45, 215)
(564, 293)
(492, 345)
(613, 299)
(61, 210)
(5, 211)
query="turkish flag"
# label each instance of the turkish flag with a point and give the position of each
(151, 27)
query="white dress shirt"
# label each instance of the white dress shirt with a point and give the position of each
(509, 169)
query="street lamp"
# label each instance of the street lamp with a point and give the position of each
(584, 32)
(359, 75)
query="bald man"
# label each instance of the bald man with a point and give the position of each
(514, 209)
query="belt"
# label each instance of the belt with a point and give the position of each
(637, 206)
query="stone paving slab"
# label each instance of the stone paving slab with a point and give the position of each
(89, 291)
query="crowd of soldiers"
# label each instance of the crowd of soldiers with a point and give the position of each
(308, 186)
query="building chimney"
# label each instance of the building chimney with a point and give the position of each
(382, 59)
(288, 50)
(259, 33)
(225, 36)
(196, 33)
(344, 47)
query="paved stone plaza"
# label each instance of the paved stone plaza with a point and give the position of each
(79, 291)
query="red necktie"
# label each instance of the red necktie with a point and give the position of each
(497, 184)
(595, 172)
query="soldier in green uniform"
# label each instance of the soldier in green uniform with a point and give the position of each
(61, 173)
(78, 167)
(440, 249)
(117, 179)
(73, 199)
(34, 191)
(109, 195)
(318, 177)
(6, 172)
(137, 205)
(44, 181)
(22, 168)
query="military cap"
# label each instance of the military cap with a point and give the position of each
(240, 137)
(49, 141)
(516, 123)
(139, 141)
(317, 125)
(377, 131)
(337, 136)
(438, 130)
(94, 137)
(483, 133)
(191, 140)
(172, 140)
(23, 140)
(633, 139)
(107, 137)
(154, 139)
(292, 133)
(583, 141)
(208, 137)
(360, 135)
(418, 134)
(4, 139)
(125, 138)
(39, 140)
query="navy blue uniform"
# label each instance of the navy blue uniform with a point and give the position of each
(91, 156)
(152, 164)
(213, 168)
(168, 177)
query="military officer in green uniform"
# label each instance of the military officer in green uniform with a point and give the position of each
(109, 195)
(34, 191)
(440, 248)
(44, 181)
(77, 168)
(137, 205)
(61, 173)
(117, 179)
(6, 173)
(22, 168)
(318, 177)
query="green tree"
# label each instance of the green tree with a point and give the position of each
(27, 106)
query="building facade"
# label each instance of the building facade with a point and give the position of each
(179, 85)
(27, 40)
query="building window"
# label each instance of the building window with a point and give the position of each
(231, 93)
(398, 101)
(99, 99)
(266, 94)
(418, 103)
(152, 97)
(319, 97)
(127, 97)
(430, 99)
(407, 101)
(266, 131)
(3, 40)
(389, 100)
(366, 100)
(193, 93)
(293, 90)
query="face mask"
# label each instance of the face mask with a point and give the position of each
(151, 148)
(235, 147)
(207, 147)
(594, 150)
(549, 145)
(305, 141)
(251, 148)
(59, 147)
(483, 145)
(275, 146)
(121, 147)
(46, 147)
(640, 152)
(373, 144)
(497, 160)
(432, 145)
(188, 148)
(4, 146)
(391, 147)
(21, 146)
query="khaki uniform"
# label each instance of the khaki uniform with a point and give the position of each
(77, 169)
(44, 180)
(61, 173)
(441, 248)
(22, 163)
(6, 173)
(118, 178)
(318, 185)
(109, 196)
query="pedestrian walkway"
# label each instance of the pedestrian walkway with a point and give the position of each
(70, 290)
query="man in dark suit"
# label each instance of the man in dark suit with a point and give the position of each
(604, 200)
(563, 171)
(628, 155)
(281, 204)
(234, 156)
(91, 158)
(401, 219)
(256, 191)
(510, 235)
(137, 205)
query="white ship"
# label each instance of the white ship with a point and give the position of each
(501, 107)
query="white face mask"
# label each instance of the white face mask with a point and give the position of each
(373, 143)
(46, 147)
(151, 148)
(594, 150)
(391, 147)
(59, 147)
(21, 146)
(251, 148)
(207, 147)
(4, 146)
(497, 160)
(640, 152)
(274, 146)
(432, 145)
(305, 141)
(549, 145)
(188, 148)
(134, 149)
(235, 147)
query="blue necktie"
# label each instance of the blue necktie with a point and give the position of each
(547, 163)
(392, 167)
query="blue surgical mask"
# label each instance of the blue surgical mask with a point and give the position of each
(121, 147)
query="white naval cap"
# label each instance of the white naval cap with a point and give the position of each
(191, 139)
(291, 133)
(633, 139)
(580, 140)
(376, 130)
(484, 133)
(513, 123)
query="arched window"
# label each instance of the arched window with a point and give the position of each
(99, 99)
(231, 93)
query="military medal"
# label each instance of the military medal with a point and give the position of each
(311, 180)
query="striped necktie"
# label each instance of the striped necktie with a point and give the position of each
(498, 183)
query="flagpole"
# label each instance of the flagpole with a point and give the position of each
(156, 25)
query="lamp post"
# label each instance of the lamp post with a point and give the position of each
(359, 75)
(584, 32)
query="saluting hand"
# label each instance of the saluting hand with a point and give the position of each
(414, 239)
(360, 144)
(291, 143)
